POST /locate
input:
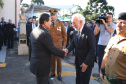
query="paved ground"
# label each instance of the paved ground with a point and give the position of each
(17, 70)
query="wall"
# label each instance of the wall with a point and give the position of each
(8, 11)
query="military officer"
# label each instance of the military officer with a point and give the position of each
(59, 37)
(114, 60)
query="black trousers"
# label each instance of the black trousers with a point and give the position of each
(4, 39)
(10, 40)
(1, 38)
(44, 79)
(83, 77)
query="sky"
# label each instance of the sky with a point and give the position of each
(119, 5)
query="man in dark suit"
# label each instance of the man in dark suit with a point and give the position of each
(4, 31)
(84, 44)
(42, 48)
(1, 36)
(29, 27)
(10, 33)
(68, 30)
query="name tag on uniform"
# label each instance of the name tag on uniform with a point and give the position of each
(59, 28)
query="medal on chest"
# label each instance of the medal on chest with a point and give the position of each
(59, 28)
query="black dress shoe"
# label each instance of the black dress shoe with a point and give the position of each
(50, 76)
(59, 77)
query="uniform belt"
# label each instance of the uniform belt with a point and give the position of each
(122, 81)
(114, 80)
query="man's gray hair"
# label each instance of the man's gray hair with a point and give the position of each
(79, 17)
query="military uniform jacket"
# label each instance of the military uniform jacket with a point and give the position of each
(58, 34)
(116, 61)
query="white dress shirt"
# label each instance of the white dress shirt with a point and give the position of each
(33, 26)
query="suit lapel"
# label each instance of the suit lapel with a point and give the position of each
(76, 38)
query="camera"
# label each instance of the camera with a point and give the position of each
(103, 16)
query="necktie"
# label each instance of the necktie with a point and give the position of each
(78, 36)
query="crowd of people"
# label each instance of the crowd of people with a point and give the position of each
(50, 40)
(6, 33)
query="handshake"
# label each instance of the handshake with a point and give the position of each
(66, 51)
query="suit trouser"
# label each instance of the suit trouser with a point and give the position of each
(1, 38)
(53, 64)
(10, 40)
(44, 79)
(83, 77)
(4, 39)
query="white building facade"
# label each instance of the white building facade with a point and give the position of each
(11, 10)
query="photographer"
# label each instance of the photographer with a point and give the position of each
(106, 28)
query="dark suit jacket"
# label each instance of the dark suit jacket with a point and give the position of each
(85, 48)
(68, 32)
(3, 26)
(29, 28)
(42, 48)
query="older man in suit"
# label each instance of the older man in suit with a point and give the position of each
(42, 48)
(84, 44)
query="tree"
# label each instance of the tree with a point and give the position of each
(38, 2)
(24, 5)
(95, 8)
(1, 3)
(99, 6)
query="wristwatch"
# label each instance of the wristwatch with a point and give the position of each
(106, 24)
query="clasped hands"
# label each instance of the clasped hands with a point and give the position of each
(66, 51)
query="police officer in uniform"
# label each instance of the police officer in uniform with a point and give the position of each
(59, 38)
(114, 60)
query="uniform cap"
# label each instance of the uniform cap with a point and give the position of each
(53, 11)
(122, 16)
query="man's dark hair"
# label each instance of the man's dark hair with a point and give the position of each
(43, 17)
(93, 19)
(110, 14)
(91, 23)
(29, 18)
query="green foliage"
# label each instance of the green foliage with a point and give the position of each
(78, 9)
(1, 3)
(24, 5)
(90, 17)
(38, 2)
(99, 6)
(95, 8)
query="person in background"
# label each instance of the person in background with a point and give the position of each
(106, 29)
(1, 36)
(10, 33)
(94, 24)
(28, 27)
(114, 61)
(59, 38)
(4, 31)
